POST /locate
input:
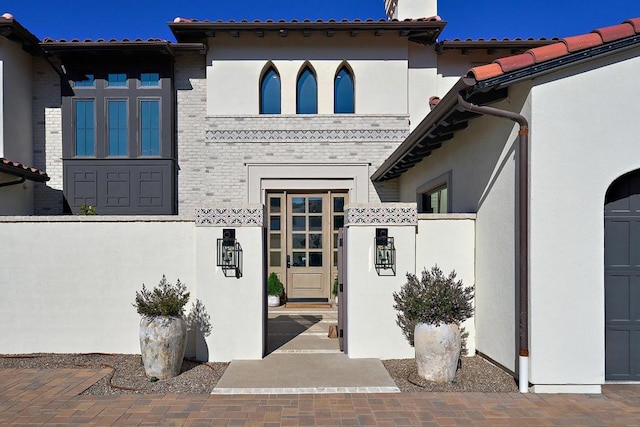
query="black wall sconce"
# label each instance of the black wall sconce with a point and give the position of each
(385, 255)
(230, 254)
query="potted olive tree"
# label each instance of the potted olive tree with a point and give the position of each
(163, 330)
(430, 310)
(275, 290)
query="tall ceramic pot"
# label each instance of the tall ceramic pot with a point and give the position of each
(163, 341)
(437, 351)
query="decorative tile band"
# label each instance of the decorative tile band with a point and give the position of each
(381, 215)
(293, 135)
(230, 216)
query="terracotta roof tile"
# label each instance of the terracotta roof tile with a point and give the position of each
(616, 32)
(551, 51)
(635, 22)
(484, 72)
(583, 41)
(515, 62)
(565, 46)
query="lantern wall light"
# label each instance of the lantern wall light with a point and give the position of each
(229, 254)
(385, 253)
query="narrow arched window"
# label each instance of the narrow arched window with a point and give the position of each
(343, 92)
(270, 92)
(307, 93)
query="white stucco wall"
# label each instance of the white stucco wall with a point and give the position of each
(481, 163)
(69, 286)
(371, 323)
(583, 138)
(68, 283)
(236, 305)
(379, 64)
(15, 124)
(448, 241)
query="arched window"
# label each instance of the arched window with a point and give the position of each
(307, 93)
(343, 92)
(270, 92)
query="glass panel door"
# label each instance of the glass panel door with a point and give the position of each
(308, 250)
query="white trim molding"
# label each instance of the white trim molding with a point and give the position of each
(353, 177)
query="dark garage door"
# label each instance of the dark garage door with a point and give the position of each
(622, 279)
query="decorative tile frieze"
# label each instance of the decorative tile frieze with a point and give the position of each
(228, 216)
(381, 214)
(304, 135)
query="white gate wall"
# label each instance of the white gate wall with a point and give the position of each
(68, 283)
(421, 241)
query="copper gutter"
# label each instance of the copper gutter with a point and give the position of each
(523, 229)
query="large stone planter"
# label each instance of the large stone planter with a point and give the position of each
(437, 351)
(163, 340)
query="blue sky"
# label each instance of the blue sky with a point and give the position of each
(466, 19)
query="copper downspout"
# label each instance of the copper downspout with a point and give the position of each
(523, 229)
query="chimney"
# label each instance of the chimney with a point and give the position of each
(410, 9)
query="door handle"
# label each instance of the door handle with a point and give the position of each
(288, 261)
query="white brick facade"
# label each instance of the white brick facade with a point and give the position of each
(47, 138)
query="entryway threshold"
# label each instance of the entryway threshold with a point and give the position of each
(295, 373)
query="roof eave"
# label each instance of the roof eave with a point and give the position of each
(424, 32)
(21, 172)
(12, 30)
(447, 103)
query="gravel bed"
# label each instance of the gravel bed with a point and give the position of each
(475, 375)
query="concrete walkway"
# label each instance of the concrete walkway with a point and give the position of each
(306, 373)
(303, 359)
(49, 397)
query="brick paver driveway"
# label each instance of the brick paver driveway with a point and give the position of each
(29, 396)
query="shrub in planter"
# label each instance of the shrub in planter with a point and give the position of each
(334, 289)
(274, 290)
(430, 310)
(163, 330)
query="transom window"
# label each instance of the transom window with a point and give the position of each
(343, 102)
(149, 79)
(117, 80)
(307, 93)
(87, 81)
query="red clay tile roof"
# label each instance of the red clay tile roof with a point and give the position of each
(18, 169)
(563, 47)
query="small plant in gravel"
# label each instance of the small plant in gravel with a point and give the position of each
(166, 299)
(434, 299)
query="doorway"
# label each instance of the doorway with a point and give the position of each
(302, 241)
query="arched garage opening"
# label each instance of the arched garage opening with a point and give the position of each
(622, 278)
